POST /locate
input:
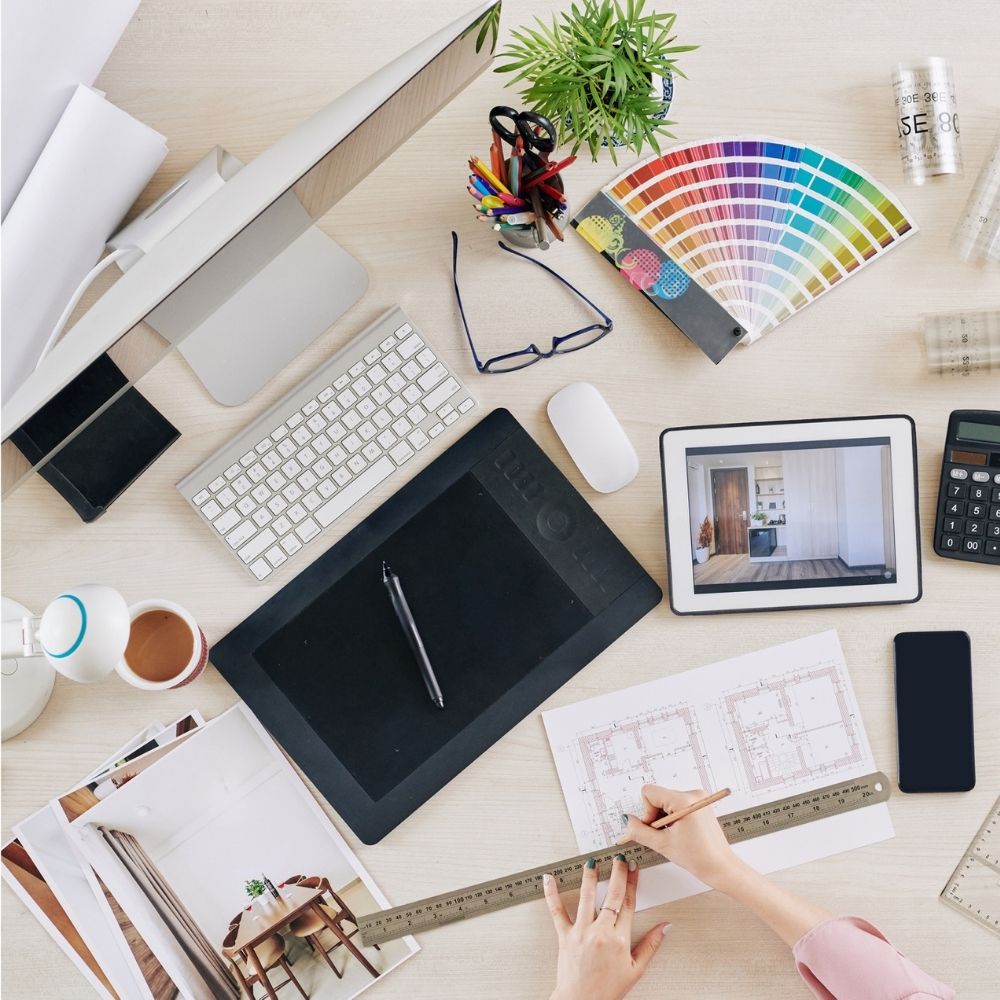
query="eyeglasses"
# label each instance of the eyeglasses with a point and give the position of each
(516, 360)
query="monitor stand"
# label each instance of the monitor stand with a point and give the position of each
(257, 303)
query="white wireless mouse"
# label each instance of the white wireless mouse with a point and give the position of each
(593, 437)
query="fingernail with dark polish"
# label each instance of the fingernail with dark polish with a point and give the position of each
(624, 820)
(591, 864)
(620, 857)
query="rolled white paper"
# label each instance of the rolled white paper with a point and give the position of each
(94, 166)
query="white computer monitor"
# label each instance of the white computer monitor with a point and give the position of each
(194, 272)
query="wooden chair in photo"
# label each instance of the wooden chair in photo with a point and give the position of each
(311, 925)
(270, 952)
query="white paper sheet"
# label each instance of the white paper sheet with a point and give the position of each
(768, 725)
(92, 169)
(49, 46)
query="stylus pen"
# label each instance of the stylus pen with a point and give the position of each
(405, 617)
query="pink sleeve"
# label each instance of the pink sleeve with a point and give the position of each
(847, 959)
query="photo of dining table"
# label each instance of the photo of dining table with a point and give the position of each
(263, 922)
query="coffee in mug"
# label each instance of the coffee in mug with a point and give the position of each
(166, 648)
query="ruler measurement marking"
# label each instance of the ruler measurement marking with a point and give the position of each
(509, 890)
(980, 863)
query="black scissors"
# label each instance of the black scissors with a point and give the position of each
(511, 125)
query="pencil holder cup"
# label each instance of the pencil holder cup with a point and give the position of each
(526, 239)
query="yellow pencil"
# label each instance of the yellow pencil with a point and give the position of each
(484, 171)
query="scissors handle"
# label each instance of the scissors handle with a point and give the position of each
(525, 123)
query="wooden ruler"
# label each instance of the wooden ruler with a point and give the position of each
(509, 890)
(974, 887)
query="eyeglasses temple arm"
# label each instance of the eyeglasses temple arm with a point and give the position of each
(458, 299)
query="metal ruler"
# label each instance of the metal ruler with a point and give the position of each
(974, 887)
(509, 890)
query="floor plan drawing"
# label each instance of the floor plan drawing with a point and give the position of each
(613, 762)
(766, 724)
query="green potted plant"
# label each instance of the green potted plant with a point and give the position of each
(704, 540)
(759, 516)
(256, 890)
(603, 72)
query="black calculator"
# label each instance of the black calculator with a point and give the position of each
(968, 514)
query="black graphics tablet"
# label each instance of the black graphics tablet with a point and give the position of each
(515, 585)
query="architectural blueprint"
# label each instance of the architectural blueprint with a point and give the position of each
(767, 725)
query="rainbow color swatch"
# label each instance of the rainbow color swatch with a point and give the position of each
(764, 226)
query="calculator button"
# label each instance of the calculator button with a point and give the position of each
(949, 543)
(980, 477)
(979, 493)
(976, 510)
(996, 478)
(957, 490)
(973, 545)
(993, 530)
(959, 474)
(993, 547)
(975, 527)
(952, 525)
(954, 508)
(995, 514)
(996, 496)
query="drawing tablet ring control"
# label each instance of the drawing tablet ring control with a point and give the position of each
(791, 514)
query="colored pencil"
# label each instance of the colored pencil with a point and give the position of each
(673, 817)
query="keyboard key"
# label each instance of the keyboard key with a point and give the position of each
(351, 420)
(381, 395)
(952, 525)
(362, 387)
(950, 543)
(200, 497)
(326, 395)
(411, 370)
(980, 477)
(356, 369)
(337, 455)
(291, 492)
(276, 505)
(282, 526)
(326, 489)
(311, 500)
(322, 444)
(241, 533)
(311, 407)
(307, 529)
(366, 407)
(411, 394)
(227, 522)
(404, 330)
(378, 374)
(441, 394)
(359, 488)
(287, 448)
(211, 510)
(248, 459)
(367, 430)
(342, 476)
(445, 410)
(246, 506)
(256, 472)
(425, 357)
(347, 399)
(271, 461)
(307, 480)
(296, 512)
(322, 468)
(372, 356)
(410, 346)
(264, 446)
(402, 427)
(291, 544)
(371, 451)
(396, 382)
(279, 432)
(353, 443)
(336, 432)
(307, 456)
(392, 361)
(418, 439)
(466, 405)
(381, 419)
(262, 517)
(397, 407)
(416, 414)
(275, 556)
(301, 435)
(258, 545)
(387, 439)
(435, 430)
(974, 545)
(959, 474)
(291, 468)
(226, 497)
(401, 453)
(331, 411)
(260, 569)
(388, 343)
(316, 423)
(451, 418)
(357, 463)
(430, 378)
(216, 484)
(342, 380)
(294, 420)
(276, 480)
(233, 471)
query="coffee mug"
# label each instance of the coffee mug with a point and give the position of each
(166, 648)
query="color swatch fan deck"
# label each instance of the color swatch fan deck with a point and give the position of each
(763, 227)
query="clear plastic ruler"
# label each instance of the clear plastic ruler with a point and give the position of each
(977, 236)
(974, 888)
(963, 343)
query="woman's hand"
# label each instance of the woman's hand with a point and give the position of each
(695, 842)
(596, 957)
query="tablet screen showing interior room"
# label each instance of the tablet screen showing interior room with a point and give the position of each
(791, 515)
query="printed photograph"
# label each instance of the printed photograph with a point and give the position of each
(796, 515)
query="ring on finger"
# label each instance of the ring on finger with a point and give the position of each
(611, 909)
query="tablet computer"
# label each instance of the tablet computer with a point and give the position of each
(791, 514)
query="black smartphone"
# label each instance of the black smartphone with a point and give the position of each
(934, 712)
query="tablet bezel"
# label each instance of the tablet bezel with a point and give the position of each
(674, 443)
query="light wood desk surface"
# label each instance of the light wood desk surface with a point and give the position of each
(243, 73)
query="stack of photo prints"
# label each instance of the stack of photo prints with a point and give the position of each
(195, 863)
